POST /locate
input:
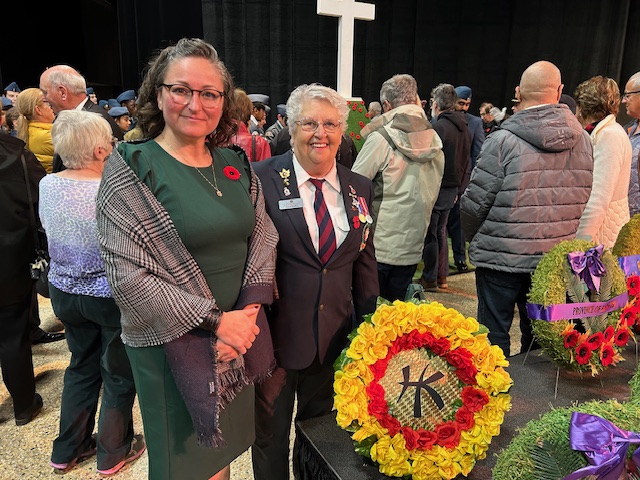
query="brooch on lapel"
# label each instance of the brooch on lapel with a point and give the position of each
(363, 216)
(284, 175)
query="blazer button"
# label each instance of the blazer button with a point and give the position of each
(324, 271)
(321, 307)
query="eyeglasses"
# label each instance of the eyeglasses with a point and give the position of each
(625, 95)
(181, 95)
(312, 125)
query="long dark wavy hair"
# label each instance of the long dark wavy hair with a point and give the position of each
(150, 118)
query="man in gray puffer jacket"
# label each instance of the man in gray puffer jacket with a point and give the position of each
(527, 193)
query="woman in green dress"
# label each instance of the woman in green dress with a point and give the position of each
(190, 257)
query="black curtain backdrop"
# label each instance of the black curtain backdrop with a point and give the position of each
(272, 46)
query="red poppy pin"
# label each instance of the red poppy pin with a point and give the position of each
(231, 172)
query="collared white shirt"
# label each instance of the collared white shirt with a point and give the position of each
(332, 192)
(81, 104)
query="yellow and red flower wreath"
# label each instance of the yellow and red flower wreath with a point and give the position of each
(465, 392)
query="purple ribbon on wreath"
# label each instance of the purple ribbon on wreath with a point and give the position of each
(604, 445)
(588, 266)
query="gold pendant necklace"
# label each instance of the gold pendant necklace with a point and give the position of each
(215, 180)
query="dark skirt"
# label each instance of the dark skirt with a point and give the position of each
(171, 440)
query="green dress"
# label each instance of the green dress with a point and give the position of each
(216, 232)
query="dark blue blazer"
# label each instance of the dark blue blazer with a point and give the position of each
(318, 305)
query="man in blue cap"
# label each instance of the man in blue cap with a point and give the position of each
(128, 99)
(281, 120)
(454, 229)
(11, 92)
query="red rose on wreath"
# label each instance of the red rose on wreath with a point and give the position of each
(465, 418)
(426, 438)
(473, 398)
(410, 437)
(440, 346)
(448, 434)
(231, 172)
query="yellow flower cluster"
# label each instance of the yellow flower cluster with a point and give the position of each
(371, 344)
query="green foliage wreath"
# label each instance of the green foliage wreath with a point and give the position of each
(554, 283)
(541, 450)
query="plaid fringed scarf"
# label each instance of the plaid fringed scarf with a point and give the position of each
(163, 295)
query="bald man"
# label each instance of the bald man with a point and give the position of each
(631, 100)
(527, 193)
(64, 88)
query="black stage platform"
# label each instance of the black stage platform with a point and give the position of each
(329, 449)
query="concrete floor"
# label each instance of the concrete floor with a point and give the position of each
(25, 451)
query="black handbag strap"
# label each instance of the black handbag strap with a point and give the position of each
(32, 217)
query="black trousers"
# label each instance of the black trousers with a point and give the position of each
(275, 398)
(15, 353)
(98, 360)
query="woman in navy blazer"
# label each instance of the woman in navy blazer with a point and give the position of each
(320, 301)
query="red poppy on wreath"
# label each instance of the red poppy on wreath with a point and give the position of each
(595, 340)
(628, 316)
(609, 332)
(571, 339)
(366, 114)
(633, 285)
(583, 353)
(361, 123)
(606, 355)
(231, 172)
(358, 137)
(354, 107)
(621, 338)
(351, 134)
(360, 110)
(362, 102)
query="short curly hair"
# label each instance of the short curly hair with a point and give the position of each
(598, 97)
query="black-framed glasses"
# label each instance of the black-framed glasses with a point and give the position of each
(625, 95)
(309, 125)
(181, 94)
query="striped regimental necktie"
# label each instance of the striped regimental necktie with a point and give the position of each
(327, 238)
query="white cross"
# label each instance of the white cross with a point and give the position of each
(347, 12)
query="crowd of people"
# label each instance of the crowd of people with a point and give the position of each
(215, 266)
